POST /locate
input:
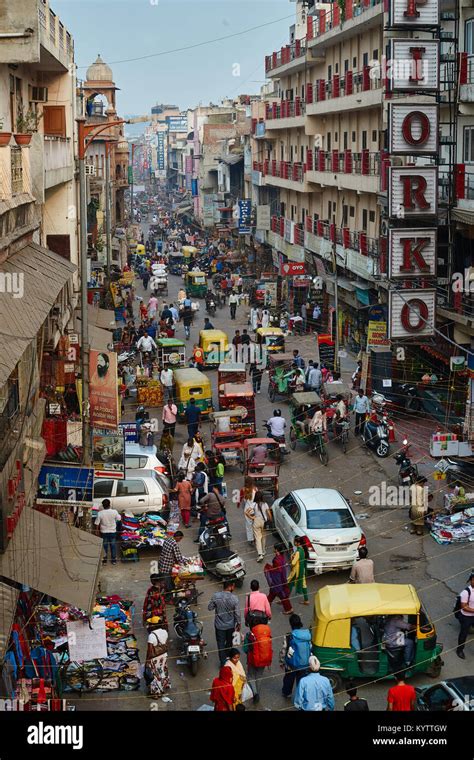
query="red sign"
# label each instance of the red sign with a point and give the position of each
(291, 268)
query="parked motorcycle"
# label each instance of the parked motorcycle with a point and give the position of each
(408, 472)
(375, 436)
(189, 632)
(217, 556)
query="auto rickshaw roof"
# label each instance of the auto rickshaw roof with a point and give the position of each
(307, 397)
(191, 375)
(237, 389)
(231, 366)
(213, 335)
(281, 358)
(346, 600)
(196, 273)
(170, 342)
(189, 248)
(269, 331)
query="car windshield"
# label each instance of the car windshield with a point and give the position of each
(329, 519)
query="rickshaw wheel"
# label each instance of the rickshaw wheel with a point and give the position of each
(335, 680)
(293, 439)
(271, 393)
(324, 456)
(434, 671)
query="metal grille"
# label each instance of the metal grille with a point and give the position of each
(17, 170)
(52, 27)
(61, 37)
(42, 16)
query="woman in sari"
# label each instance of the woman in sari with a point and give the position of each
(222, 691)
(238, 675)
(276, 575)
(156, 667)
(297, 576)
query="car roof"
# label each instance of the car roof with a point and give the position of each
(135, 448)
(358, 599)
(320, 498)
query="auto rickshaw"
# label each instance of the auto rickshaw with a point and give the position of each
(231, 372)
(272, 338)
(264, 475)
(302, 407)
(215, 345)
(188, 251)
(140, 249)
(176, 261)
(191, 383)
(279, 365)
(233, 395)
(196, 284)
(348, 632)
(171, 352)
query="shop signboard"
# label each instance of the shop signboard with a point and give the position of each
(108, 454)
(412, 313)
(412, 192)
(414, 65)
(177, 123)
(412, 253)
(130, 431)
(377, 334)
(263, 217)
(103, 396)
(413, 129)
(62, 485)
(413, 14)
(292, 268)
(245, 217)
(271, 292)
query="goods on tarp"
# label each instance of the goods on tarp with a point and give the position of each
(455, 528)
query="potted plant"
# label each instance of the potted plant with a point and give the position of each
(26, 123)
(5, 137)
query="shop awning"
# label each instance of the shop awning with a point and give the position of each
(464, 216)
(99, 339)
(54, 558)
(8, 602)
(103, 318)
(38, 275)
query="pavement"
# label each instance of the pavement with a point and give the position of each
(437, 572)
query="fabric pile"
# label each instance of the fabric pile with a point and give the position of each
(122, 666)
(142, 530)
(453, 529)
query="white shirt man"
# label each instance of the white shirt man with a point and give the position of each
(146, 343)
(315, 378)
(166, 378)
(318, 422)
(107, 520)
(277, 426)
(233, 298)
(361, 404)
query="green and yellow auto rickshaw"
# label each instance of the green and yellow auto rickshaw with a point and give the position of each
(191, 383)
(196, 284)
(171, 352)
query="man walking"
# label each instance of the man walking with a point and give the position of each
(315, 378)
(361, 409)
(295, 654)
(227, 618)
(257, 607)
(298, 359)
(465, 615)
(167, 379)
(169, 556)
(314, 692)
(106, 521)
(402, 697)
(193, 417)
(170, 413)
(256, 374)
(233, 301)
(363, 569)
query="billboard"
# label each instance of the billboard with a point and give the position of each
(160, 151)
(62, 485)
(177, 123)
(103, 390)
(108, 454)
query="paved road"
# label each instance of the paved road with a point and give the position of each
(436, 571)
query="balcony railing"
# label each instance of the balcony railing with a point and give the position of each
(461, 303)
(285, 110)
(16, 162)
(294, 172)
(56, 153)
(10, 409)
(352, 82)
(280, 226)
(286, 55)
(325, 20)
(355, 240)
(346, 162)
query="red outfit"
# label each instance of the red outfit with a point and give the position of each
(185, 490)
(222, 692)
(401, 697)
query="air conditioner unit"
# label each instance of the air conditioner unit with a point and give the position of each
(39, 94)
(90, 170)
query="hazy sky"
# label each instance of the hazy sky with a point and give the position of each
(124, 29)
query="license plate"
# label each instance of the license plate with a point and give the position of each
(239, 574)
(194, 648)
(335, 548)
(222, 530)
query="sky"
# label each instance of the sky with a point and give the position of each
(125, 29)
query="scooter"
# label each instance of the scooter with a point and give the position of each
(408, 472)
(189, 631)
(375, 436)
(216, 554)
(211, 307)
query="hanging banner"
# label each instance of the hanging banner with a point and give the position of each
(263, 217)
(108, 454)
(103, 390)
(62, 485)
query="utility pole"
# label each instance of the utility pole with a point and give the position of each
(336, 297)
(85, 348)
(131, 187)
(108, 231)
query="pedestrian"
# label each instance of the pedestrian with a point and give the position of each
(256, 373)
(145, 279)
(212, 507)
(276, 575)
(236, 341)
(215, 465)
(227, 618)
(198, 357)
(315, 378)
(355, 703)
(258, 645)
(304, 317)
(184, 490)
(208, 324)
(419, 505)
(192, 414)
(200, 483)
(169, 416)
(167, 380)
(295, 654)
(156, 665)
(257, 608)
(247, 496)
(222, 691)
(361, 410)
(190, 456)
(259, 513)
(233, 302)
(465, 615)
(298, 359)
(107, 520)
(297, 576)
(170, 555)
(363, 569)
(402, 697)
(265, 318)
(239, 677)
(187, 316)
(314, 692)
(152, 307)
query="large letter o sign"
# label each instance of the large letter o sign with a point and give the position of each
(407, 128)
(409, 310)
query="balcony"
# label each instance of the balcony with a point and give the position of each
(290, 58)
(361, 254)
(258, 178)
(466, 78)
(343, 22)
(354, 171)
(58, 161)
(285, 115)
(285, 174)
(456, 307)
(287, 237)
(351, 92)
(57, 46)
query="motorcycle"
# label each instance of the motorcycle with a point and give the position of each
(216, 554)
(279, 450)
(375, 436)
(408, 472)
(211, 307)
(189, 632)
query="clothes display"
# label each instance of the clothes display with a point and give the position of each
(452, 529)
(191, 569)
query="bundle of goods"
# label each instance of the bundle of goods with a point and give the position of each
(191, 569)
(149, 392)
(148, 529)
(452, 529)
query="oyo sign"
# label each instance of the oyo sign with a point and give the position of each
(414, 13)
(411, 313)
(413, 129)
(292, 268)
(412, 191)
(412, 253)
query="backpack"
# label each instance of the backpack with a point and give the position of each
(300, 643)
(255, 617)
(457, 604)
(260, 651)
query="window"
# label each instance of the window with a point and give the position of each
(329, 519)
(364, 219)
(334, 207)
(374, 136)
(103, 488)
(469, 37)
(375, 55)
(345, 140)
(354, 63)
(16, 169)
(131, 488)
(54, 121)
(438, 699)
(346, 65)
(351, 211)
(353, 137)
(135, 463)
(468, 145)
(329, 210)
(290, 506)
(344, 216)
(336, 68)
(328, 141)
(365, 60)
(364, 140)
(302, 154)
(336, 137)
(372, 216)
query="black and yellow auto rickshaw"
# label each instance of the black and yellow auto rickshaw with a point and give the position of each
(196, 284)
(353, 627)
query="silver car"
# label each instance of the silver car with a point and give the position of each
(139, 492)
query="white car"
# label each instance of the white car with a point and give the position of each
(327, 520)
(146, 458)
(139, 492)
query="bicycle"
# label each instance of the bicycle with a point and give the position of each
(343, 435)
(319, 448)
